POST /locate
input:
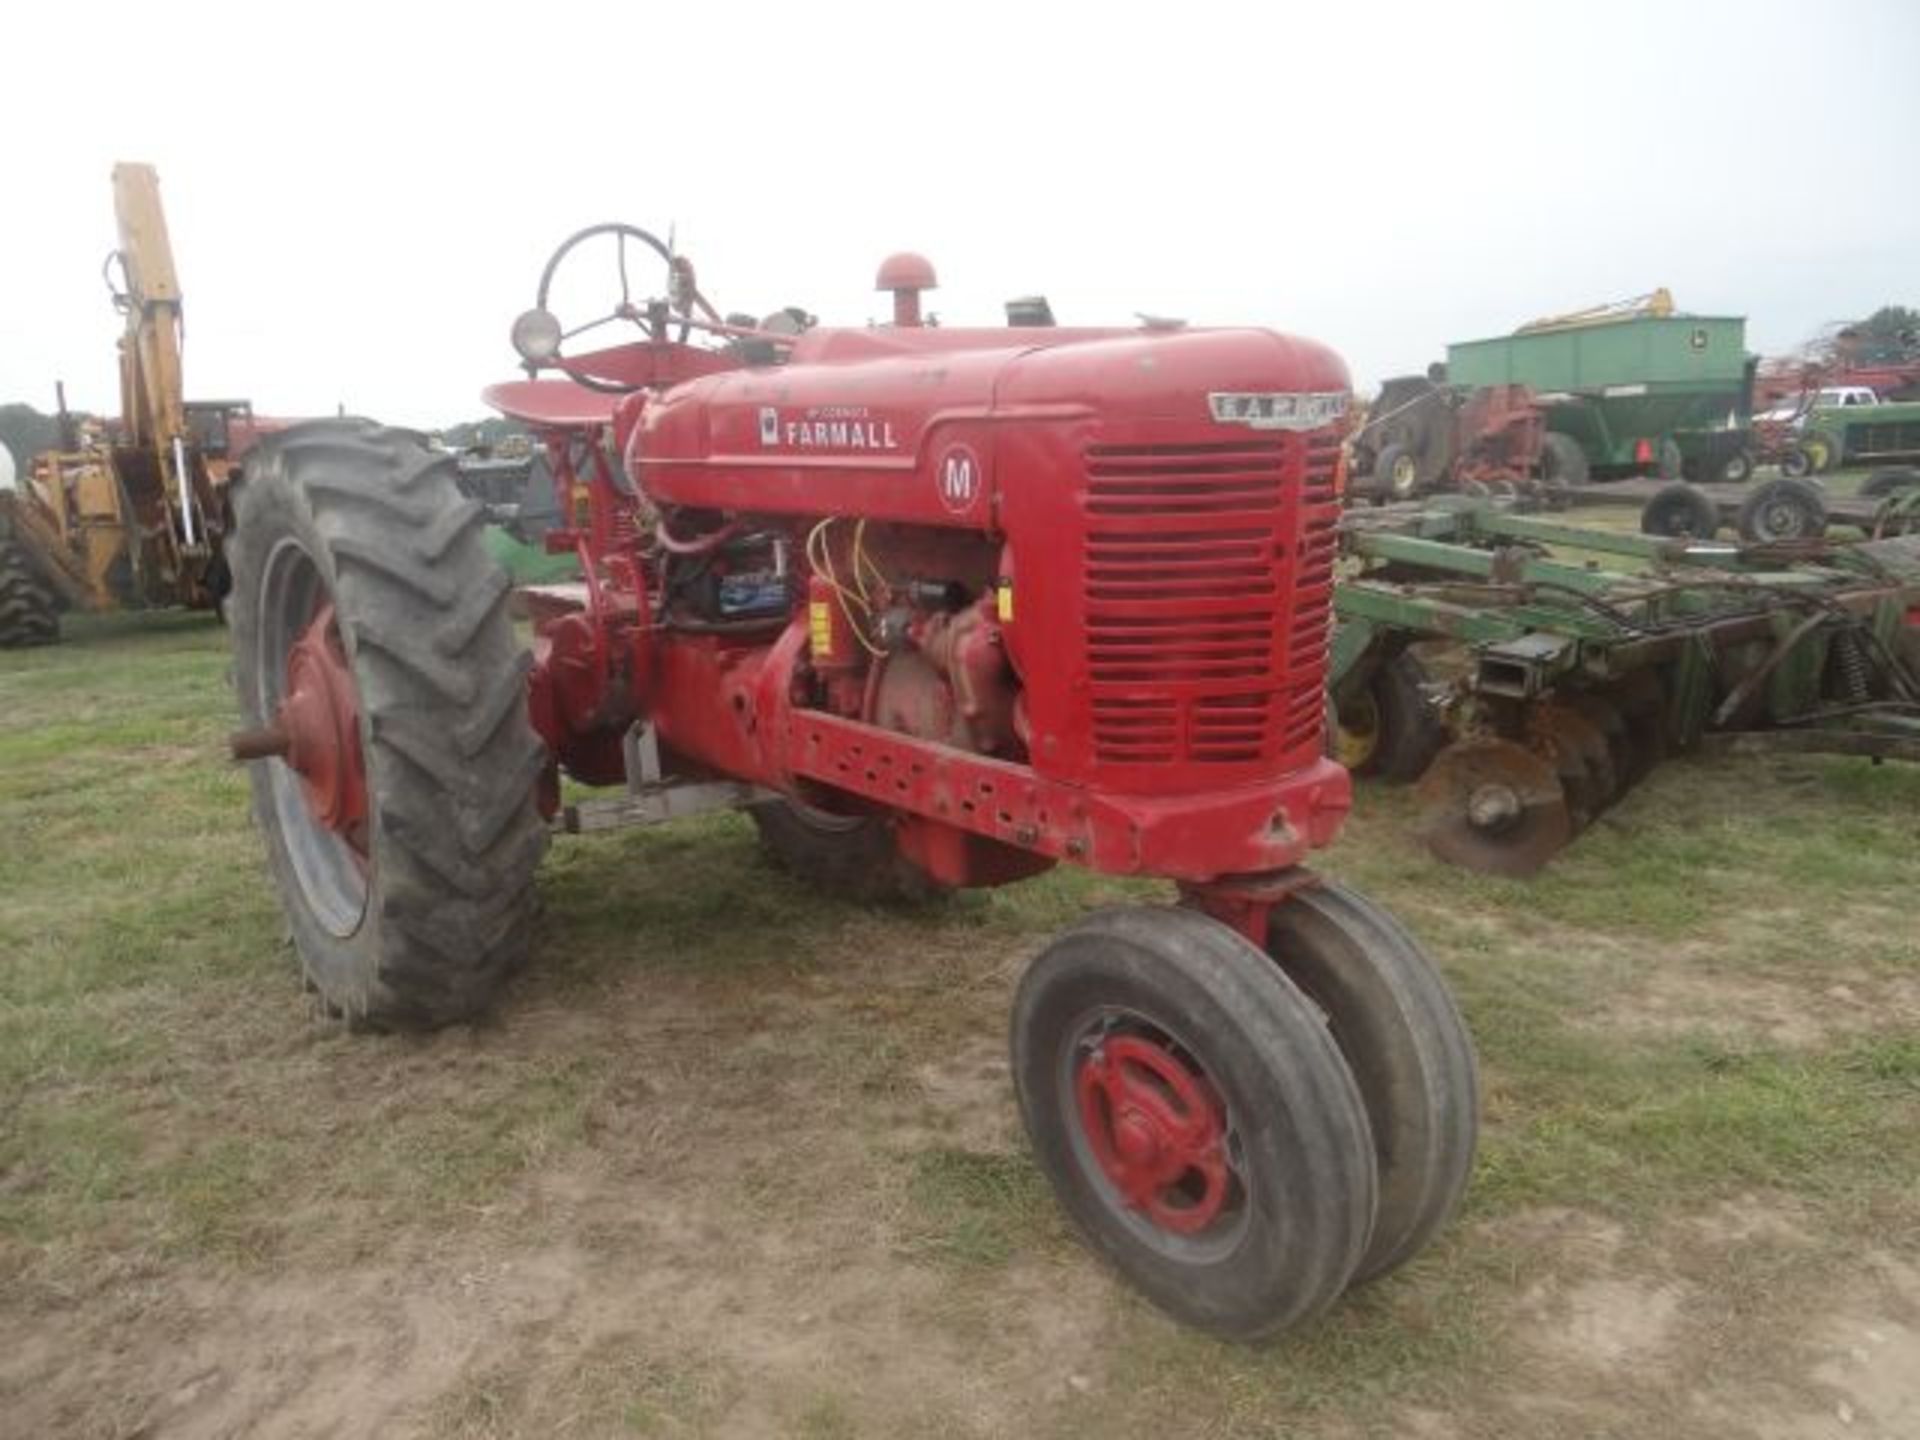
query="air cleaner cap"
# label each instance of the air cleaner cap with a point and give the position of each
(906, 271)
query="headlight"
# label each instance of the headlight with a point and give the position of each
(536, 336)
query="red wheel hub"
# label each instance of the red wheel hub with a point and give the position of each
(1157, 1129)
(316, 730)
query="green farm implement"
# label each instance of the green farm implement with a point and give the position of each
(1630, 389)
(1574, 660)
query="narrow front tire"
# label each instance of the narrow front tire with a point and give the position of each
(1195, 1118)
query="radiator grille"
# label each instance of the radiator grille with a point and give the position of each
(1192, 554)
(1313, 592)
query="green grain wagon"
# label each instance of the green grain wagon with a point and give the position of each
(1637, 393)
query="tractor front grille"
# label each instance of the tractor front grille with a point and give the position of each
(1197, 555)
(1312, 611)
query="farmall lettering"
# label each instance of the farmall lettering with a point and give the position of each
(845, 428)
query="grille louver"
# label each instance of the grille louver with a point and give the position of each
(1191, 551)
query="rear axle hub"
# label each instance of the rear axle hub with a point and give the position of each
(316, 728)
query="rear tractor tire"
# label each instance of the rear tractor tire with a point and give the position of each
(1562, 461)
(1195, 1118)
(378, 671)
(1826, 450)
(850, 856)
(27, 613)
(1396, 473)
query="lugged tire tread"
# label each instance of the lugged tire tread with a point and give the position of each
(452, 757)
(27, 614)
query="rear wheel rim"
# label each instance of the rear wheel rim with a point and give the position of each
(1783, 520)
(1675, 521)
(326, 839)
(1403, 476)
(1154, 1136)
(1357, 731)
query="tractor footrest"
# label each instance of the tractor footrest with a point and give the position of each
(657, 804)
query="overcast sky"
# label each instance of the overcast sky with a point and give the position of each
(361, 196)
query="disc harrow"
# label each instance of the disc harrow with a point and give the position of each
(1585, 657)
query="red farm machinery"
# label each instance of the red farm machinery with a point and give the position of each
(1424, 435)
(938, 607)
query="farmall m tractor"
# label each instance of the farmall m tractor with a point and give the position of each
(938, 607)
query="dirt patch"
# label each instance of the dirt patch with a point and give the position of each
(973, 1093)
(1859, 1362)
(709, 1228)
(1737, 1321)
(1577, 1239)
(1608, 1323)
(558, 1341)
(1674, 1000)
(1772, 1220)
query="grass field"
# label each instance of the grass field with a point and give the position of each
(732, 1159)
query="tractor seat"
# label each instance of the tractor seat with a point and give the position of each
(551, 404)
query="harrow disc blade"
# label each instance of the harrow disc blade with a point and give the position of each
(1605, 716)
(1564, 734)
(1643, 706)
(1494, 806)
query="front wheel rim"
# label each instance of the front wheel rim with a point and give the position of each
(1154, 1136)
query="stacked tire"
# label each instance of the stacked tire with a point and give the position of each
(27, 612)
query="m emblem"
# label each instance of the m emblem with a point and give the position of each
(958, 479)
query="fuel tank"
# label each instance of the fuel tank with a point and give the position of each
(906, 424)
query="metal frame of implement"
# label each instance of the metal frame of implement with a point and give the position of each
(1579, 677)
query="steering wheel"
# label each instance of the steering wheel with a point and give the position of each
(654, 316)
(540, 338)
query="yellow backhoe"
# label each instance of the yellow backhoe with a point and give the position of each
(128, 513)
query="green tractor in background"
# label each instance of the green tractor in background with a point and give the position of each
(1878, 433)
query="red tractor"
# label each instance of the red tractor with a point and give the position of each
(1423, 435)
(938, 607)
